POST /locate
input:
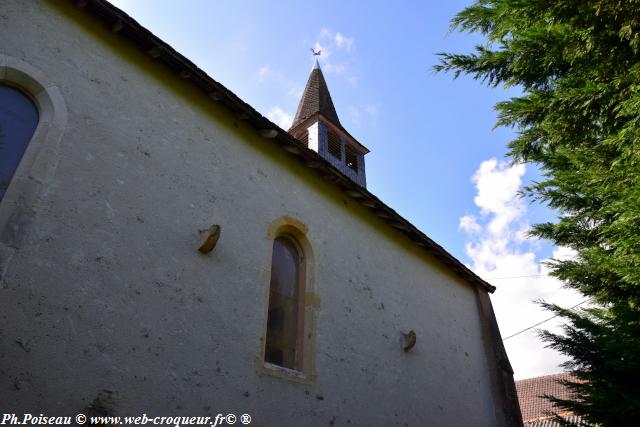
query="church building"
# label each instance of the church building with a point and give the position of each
(167, 250)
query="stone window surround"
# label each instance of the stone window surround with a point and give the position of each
(286, 225)
(40, 158)
(293, 322)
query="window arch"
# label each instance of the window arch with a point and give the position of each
(285, 316)
(18, 121)
(40, 158)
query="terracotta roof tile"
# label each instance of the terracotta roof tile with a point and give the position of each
(535, 408)
(550, 422)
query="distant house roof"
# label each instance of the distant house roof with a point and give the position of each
(535, 408)
(125, 26)
(550, 422)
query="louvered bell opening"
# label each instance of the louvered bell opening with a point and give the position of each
(351, 157)
(304, 139)
(335, 148)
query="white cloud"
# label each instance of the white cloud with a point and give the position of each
(355, 115)
(344, 42)
(339, 70)
(295, 92)
(334, 68)
(501, 253)
(469, 224)
(363, 113)
(280, 117)
(563, 253)
(263, 73)
(497, 186)
(340, 40)
(274, 77)
(325, 53)
(371, 109)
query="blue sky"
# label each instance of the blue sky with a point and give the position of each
(435, 156)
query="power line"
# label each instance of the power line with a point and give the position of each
(546, 320)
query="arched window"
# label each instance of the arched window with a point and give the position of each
(286, 305)
(18, 121)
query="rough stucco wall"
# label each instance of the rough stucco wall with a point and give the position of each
(106, 290)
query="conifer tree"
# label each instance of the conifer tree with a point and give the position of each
(578, 119)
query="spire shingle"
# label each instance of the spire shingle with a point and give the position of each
(316, 99)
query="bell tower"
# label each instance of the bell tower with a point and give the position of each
(317, 125)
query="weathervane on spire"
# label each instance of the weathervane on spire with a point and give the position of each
(316, 53)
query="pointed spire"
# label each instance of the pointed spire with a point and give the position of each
(316, 99)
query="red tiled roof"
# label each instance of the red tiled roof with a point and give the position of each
(551, 422)
(535, 408)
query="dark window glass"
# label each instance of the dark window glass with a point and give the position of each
(284, 322)
(18, 121)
